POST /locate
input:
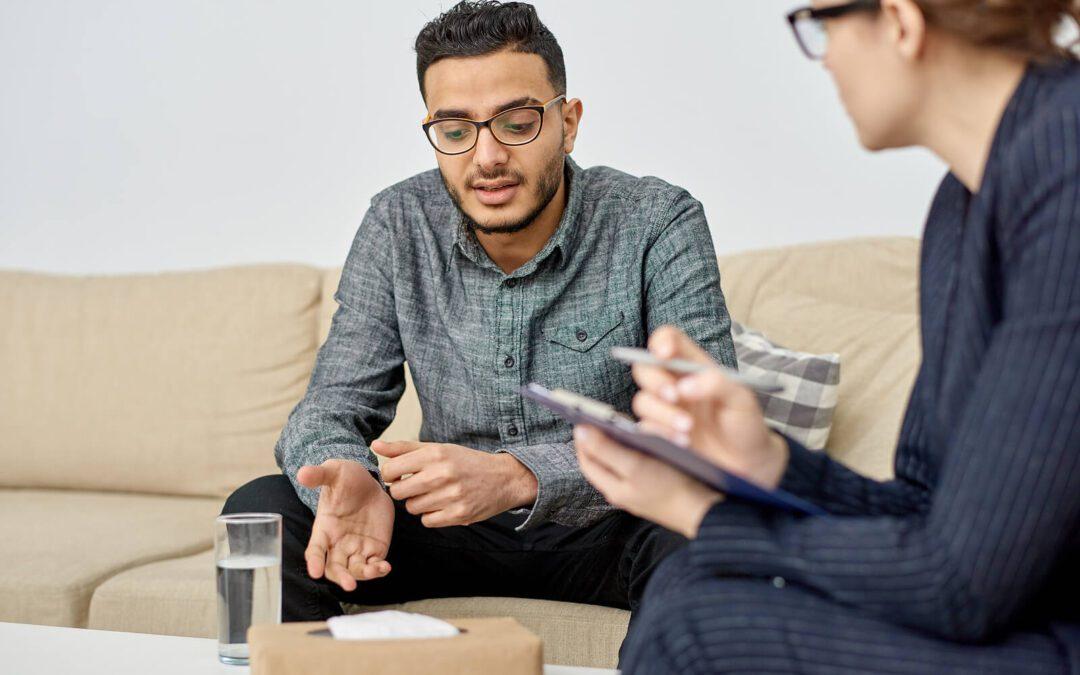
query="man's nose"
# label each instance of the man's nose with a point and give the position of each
(489, 152)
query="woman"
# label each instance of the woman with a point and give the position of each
(969, 560)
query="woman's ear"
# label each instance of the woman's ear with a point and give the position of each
(571, 119)
(905, 25)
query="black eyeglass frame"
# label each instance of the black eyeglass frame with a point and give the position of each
(541, 109)
(824, 14)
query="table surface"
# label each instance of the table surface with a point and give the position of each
(32, 650)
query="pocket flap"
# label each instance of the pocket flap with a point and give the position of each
(582, 336)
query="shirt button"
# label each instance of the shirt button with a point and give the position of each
(510, 283)
(509, 362)
(582, 336)
(779, 582)
(513, 430)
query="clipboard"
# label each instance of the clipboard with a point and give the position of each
(577, 409)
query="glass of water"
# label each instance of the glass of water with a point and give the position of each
(247, 548)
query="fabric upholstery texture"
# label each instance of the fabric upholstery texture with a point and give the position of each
(168, 597)
(57, 546)
(177, 383)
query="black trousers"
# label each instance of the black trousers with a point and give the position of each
(608, 563)
(694, 622)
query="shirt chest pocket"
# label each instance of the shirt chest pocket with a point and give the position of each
(582, 336)
(576, 355)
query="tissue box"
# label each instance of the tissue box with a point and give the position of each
(484, 646)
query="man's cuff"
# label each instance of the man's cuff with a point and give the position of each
(534, 458)
(310, 496)
(556, 473)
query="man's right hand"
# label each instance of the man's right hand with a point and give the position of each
(353, 523)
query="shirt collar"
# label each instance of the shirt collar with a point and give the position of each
(564, 239)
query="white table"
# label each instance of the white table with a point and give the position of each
(46, 650)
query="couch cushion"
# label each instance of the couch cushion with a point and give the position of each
(167, 597)
(57, 546)
(176, 597)
(857, 298)
(173, 383)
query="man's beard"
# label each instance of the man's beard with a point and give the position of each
(546, 187)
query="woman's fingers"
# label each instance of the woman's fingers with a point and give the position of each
(651, 408)
(613, 456)
(628, 479)
(668, 342)
(676, 437)
(653, 378)
(600, 476)
(715, 387)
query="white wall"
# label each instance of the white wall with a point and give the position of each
(141, 135)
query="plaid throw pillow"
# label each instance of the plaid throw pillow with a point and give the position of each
(804, 410)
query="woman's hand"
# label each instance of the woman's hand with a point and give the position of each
(641, 485)
(708, 413)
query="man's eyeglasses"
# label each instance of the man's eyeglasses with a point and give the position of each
(516, 126)
(808, 24)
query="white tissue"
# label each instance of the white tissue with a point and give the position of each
(388, 625)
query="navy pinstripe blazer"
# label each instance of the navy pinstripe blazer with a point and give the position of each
(979, 533)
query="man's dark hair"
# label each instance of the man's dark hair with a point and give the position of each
(476, 28)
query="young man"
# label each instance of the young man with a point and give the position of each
(509, 264)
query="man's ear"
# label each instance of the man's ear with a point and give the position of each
(571, 118)
(905, 27)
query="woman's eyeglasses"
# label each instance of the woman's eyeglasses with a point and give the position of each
(808, 24)
(516, 126)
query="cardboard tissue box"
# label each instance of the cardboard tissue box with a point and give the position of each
(498, 645)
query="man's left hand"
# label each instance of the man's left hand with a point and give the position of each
(453, 485)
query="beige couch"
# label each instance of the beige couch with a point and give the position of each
(131, 406)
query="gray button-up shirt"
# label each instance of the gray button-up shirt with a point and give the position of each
(630, 255)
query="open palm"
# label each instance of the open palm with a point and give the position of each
(354, 523)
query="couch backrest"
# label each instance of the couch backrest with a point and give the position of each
(855, 297)
(180, 383)
(858, 298)
(173, 383)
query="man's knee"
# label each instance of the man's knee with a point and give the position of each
(268, 494)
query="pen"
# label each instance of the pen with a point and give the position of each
(630, 356)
